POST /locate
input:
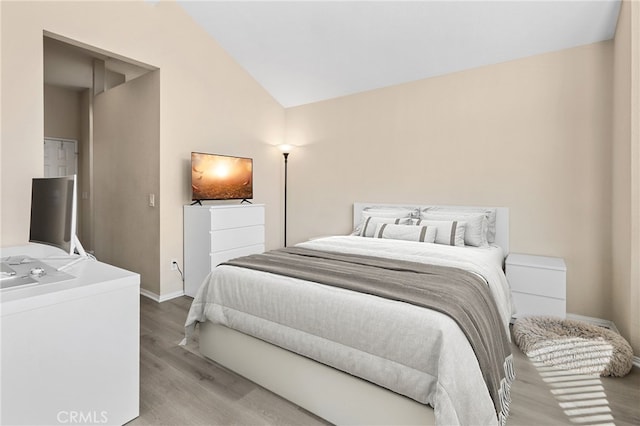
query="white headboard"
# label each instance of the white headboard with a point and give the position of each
(502, 219)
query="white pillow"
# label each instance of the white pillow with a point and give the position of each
(369, 224)
(390, 211)
(423, 234)
(449, 232)
(475, 233)
(385, 211)
(489, 212)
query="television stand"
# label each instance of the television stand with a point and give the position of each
(82, 255)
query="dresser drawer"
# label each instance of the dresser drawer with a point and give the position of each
(227, 239)
(222, 256)
(226, 218)
(529, 304)
(538, 281)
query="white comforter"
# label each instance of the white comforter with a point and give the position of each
(413, 351)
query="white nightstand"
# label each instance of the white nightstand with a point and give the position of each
(538, 284)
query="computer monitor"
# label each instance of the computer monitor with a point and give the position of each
(54, 213)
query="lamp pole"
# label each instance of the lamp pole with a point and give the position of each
(286, 149)
(286, 158)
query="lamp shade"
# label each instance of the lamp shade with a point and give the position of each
(286, 148)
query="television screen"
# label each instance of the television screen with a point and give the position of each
(221, 177)
(53, 212)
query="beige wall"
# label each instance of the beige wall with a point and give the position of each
(634, 320)
(625, 281)
(207, 103)
(62, 113)
(532, 135)
(126, 170)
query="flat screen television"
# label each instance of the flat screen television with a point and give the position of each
(221, 177)
(53, 212)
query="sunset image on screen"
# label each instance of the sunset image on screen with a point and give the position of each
(218, 177)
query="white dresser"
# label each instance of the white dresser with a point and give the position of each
(538, 284)
(215, 234)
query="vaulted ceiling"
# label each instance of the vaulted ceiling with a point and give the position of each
(307, 51)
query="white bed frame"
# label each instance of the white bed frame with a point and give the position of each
(337, 397)
(331, 394)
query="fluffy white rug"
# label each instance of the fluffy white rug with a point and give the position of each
(573, 345)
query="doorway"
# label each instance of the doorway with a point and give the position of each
(88, 126)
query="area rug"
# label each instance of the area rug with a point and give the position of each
(574, 345)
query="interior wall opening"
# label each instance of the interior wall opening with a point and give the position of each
(76, 77)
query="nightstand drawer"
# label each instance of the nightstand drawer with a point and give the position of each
(538, 284)
(529, 304)
(542, 282)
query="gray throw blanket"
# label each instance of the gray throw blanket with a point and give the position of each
(462, 295)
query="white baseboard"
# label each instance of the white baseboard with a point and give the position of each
(596, 321)
(602, 323)
(151, 295)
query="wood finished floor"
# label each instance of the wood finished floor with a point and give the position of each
(180, 387)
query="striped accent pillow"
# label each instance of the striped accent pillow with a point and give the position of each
(475, 231)
(423, 234)
(450, 232)
(489, 212)
(369, 224)
(385, 211)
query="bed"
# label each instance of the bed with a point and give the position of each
(311, 343)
